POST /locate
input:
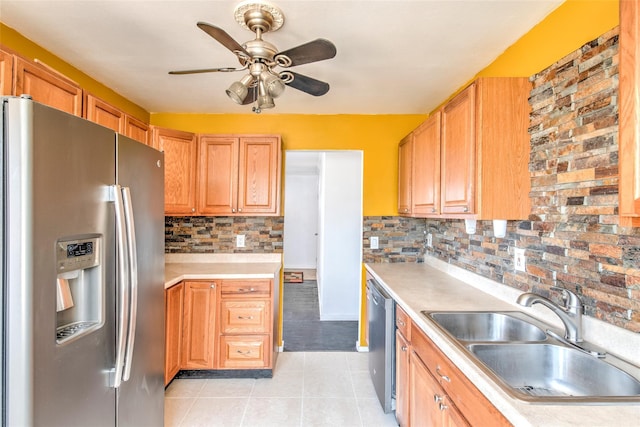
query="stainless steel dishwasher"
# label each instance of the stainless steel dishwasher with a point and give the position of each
(382, 366)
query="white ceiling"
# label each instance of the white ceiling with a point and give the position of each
(394, 56)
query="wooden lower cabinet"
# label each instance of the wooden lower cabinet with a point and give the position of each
(432, 391)
(199, 325)
(220, 324)
(173, 304)
(245, 324)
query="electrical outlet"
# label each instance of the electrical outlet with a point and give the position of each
(429, 240)
(240, 241)
(519, 260)
(373, 240)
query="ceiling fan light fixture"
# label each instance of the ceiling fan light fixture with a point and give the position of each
(265, 100)
(239, 90)
(273, 85)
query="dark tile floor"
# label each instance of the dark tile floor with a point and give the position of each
(302, 328)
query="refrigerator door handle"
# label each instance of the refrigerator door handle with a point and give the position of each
(123, 303)
(133, 280)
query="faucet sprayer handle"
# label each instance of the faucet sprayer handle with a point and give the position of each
(571, 299)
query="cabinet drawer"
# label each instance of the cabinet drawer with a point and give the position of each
(403, 323)
(245, 288)
(244, 351)
(242, 317)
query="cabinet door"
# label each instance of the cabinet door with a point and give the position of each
(6, 73)
(629, 184)
(199, 325)
(47, 87)
(218, 175)
(173, 301)
(180, 151)
(405, 172)
(136, 129)
(402, 379)
(425, 198)
(259, 176)
(458, 155)
(425, 395)
(104, 114)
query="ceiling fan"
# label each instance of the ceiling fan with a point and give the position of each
(259, 58)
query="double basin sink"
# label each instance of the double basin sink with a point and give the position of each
(533, 365)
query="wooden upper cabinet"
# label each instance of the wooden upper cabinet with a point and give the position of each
(629, 138)
(259, 175)
(470, 159)
(136, 130)
(405, 172)
(239, 175)
(99, 111)
(218, 171)
(425, 197)
(6, 72)
(47, 87)
(458, 154)
(180, 158)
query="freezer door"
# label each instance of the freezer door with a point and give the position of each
(140, 172)
(58, 218)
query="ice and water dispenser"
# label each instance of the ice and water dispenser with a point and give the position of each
(80, 289)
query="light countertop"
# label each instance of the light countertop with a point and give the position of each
(436, 285)
(180, 267)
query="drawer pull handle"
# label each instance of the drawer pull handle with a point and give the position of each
(444, 377)
(246, 290)
(400, 322)
(244, 353)
(245, 317)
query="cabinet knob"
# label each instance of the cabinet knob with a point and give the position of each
(403, 348)
(213, 286)
(442, 406)
(239, 209)
(466, 209)
(400, 322)
(433, 210)
(437, 398)
(193, 209)
(233, 210)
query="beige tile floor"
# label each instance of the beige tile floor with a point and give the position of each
(307, 389)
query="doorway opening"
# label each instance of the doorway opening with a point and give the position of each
(323, 247)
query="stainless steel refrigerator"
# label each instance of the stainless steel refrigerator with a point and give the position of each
(83, 271)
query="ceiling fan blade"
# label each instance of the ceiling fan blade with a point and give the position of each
(307, 84)
(316, 50)
(207, 70)
(222, 37)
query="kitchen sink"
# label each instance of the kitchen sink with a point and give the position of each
(532, 363)
(489, 326)
(550, 372)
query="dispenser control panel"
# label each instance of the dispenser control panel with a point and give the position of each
(77, 254)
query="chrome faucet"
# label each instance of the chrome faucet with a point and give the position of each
(570, 314)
